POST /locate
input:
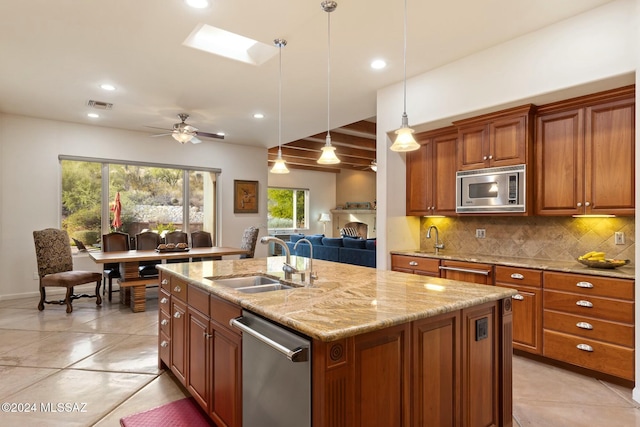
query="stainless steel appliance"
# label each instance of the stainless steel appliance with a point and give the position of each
(276, 374)
(491, 190)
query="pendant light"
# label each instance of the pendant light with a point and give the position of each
(328, 156)
(279, 165)
(404, 139)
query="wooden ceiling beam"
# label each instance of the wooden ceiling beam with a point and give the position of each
(362, 126)
(338, 138)
(301, 157)
(304, 147)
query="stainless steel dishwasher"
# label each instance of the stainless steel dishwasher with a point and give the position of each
(276, 374)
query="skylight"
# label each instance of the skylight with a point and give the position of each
(229, 45)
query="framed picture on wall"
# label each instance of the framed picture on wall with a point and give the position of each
(245, 196)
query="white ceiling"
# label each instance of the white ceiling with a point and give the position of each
(55, 54)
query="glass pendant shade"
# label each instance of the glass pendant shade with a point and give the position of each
(279, 166)
(182, 138)
(328, 156)
(404, 140)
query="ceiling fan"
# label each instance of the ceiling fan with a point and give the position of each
(183, 132)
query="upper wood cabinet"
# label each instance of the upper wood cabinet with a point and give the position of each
(585, 155)
(502, 138)
(431, 174)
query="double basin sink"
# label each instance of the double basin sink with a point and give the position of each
(252, 284)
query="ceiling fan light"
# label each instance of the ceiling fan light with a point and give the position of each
(374, 166)
(182, 138)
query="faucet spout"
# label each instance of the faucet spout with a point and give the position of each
(287, 268)
(312, 275)
(438, 245)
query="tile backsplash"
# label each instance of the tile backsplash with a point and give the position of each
(557, 238)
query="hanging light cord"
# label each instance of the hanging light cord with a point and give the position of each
(328, 73)
(280, 101)
(404, 112)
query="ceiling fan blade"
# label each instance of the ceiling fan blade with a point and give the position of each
(209, 135)
(194, 140)
(155, 127)
(160, 134)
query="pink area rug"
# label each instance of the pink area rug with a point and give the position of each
(181, 413)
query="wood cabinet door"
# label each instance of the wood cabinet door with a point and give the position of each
(467, 272)
(178, 339)
(508, 141)
(527, 319)
(199, 339)
(473, 147)
(382, 378)
(559, 153)
(436, 371)
(610, 158)
(444, 174)
(420, 179)
(226, 387)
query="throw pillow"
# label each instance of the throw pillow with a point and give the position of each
(332, 241)
(354, 243)
(349, 231)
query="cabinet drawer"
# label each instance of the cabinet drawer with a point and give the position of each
(198, 299)
(586, 327)
(164, 347)
(606, 358)
(163, 300)
(165, 281)
(600, 308)
(590, 285)
(403, 262)
(518, 276)
(165, 322)
(179, 288)
(223, 311)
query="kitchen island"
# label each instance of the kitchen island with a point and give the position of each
(388, 348)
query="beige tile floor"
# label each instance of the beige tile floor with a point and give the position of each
(104, 360)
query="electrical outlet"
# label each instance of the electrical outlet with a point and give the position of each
(35, 276)
(480, 233)
(619, 237)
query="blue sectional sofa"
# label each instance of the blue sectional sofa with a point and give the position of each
(348, 250)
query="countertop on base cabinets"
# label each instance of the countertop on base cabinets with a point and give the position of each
(345, 300)
(626, 272)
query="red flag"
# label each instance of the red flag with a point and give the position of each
(117, 209)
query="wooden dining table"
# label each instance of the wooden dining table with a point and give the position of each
(132, 286)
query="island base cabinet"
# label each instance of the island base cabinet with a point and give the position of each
(449, 370)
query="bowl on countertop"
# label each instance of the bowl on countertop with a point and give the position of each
(604, 263)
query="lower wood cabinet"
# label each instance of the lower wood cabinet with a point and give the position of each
(178, 339)
(589, 322)
(416, 265)
(473, 272)
(527, 306)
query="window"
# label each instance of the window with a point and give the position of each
(161, 198)
(287, 208)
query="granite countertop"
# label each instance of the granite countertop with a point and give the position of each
(626, 272)
(345, 300)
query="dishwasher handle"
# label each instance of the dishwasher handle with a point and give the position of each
(465, 270)
(298, 354)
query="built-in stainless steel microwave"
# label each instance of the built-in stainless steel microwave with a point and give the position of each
(491, 190)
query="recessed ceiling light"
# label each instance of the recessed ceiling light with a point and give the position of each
(93, 115)
(378, 64)
(258, 116)
(198, 4)
(107, 86)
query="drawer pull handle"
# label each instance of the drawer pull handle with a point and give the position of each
(583, 303)
(164, 281)
(587, 285)
(584, 347)
(518, 297)
(177, 315)
(164, 300)
(177, 289)
(164, 322)
(206, 335)
(164, 344)
(584, 325)
(413, 263)
(517, 276)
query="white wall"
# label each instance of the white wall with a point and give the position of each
(30, 183)
(590, 52)
(322, 192)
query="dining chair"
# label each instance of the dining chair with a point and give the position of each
(113, 242)
(202, 239)
(249, 239)
(176, 237)
(147, 241)
(55, 268)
